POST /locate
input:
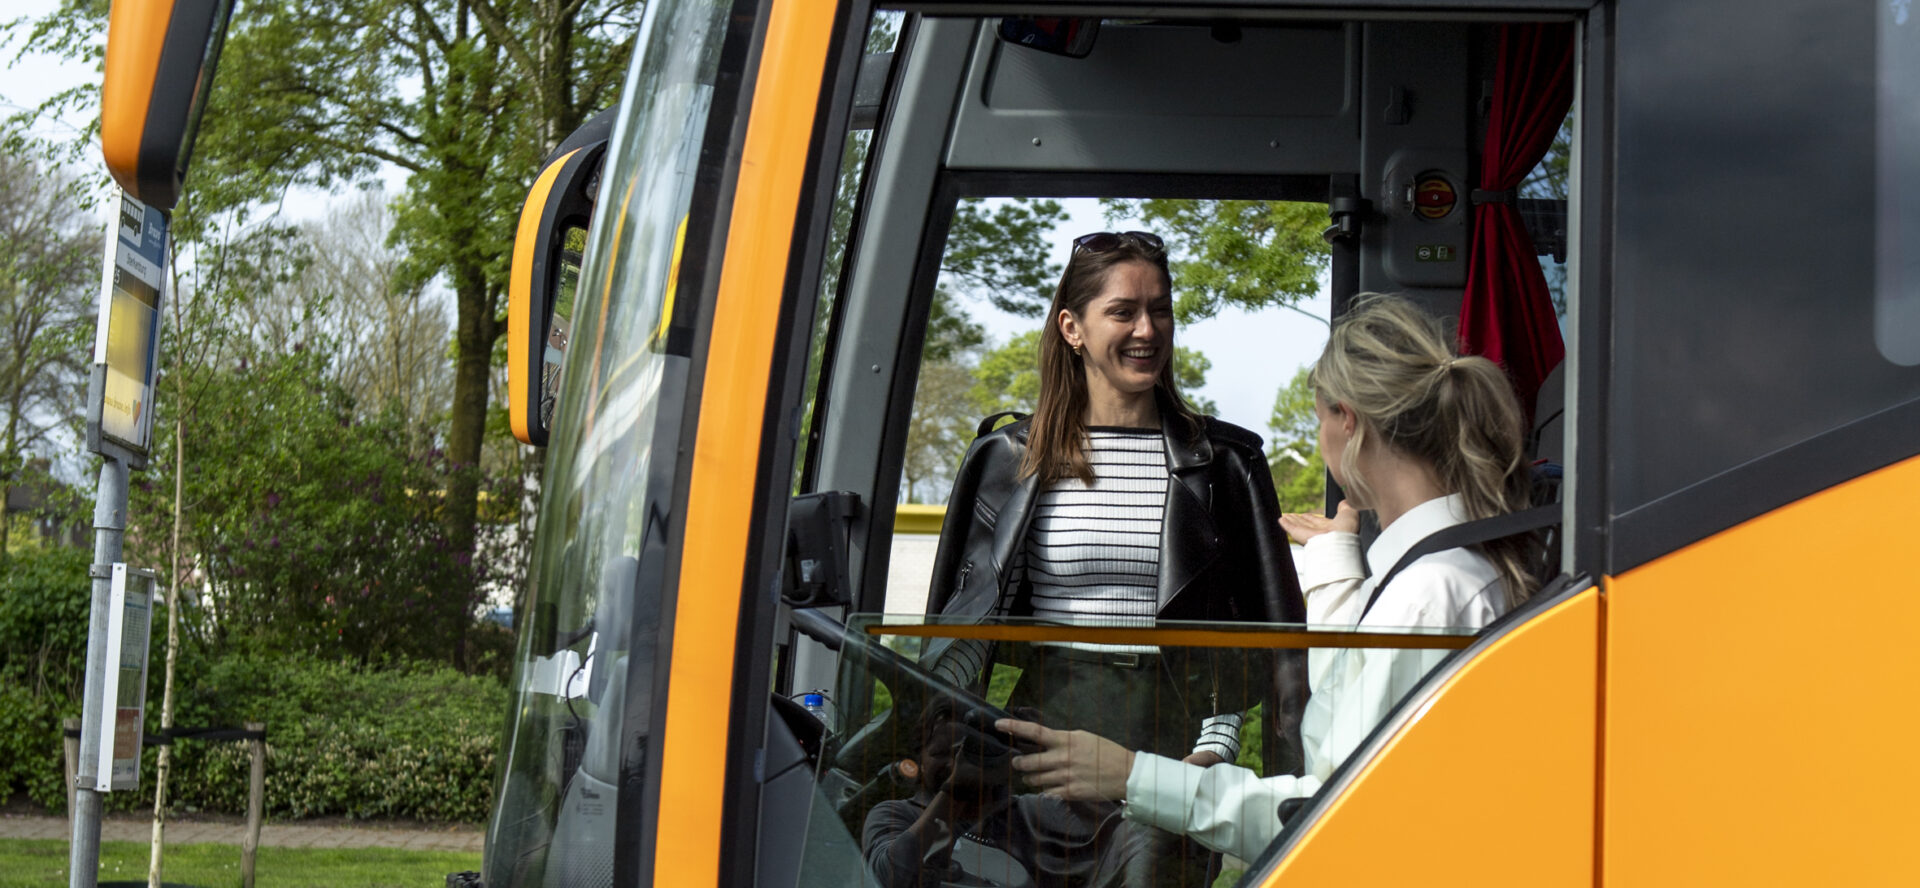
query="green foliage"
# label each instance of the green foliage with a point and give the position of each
(952, 334)
(1190, 374)
(1251, 743)
(45, 597)
(1246, 253)
(1293, 451)
(37, 863)
(466, 97)
(412, 741)
(409, 741)
(317, 531)
(1008, 377)
(938, 431)
(1001, 253)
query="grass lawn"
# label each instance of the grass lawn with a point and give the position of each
(42, 863)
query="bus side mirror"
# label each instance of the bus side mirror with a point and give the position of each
(547, 250)
(161, 56)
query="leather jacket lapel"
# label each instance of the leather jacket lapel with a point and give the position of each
(1187, 554)
(1012, 527)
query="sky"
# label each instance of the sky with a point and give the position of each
(26, 82)
(1253, 354)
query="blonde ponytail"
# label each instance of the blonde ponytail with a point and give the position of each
(1389, 362)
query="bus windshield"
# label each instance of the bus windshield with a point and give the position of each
(587, 654)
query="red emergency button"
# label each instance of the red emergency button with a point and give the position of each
(1433, 197)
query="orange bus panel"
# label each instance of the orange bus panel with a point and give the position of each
(1492, 785)
(726, 451)
(1759, 699)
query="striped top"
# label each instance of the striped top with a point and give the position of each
(1093, 550)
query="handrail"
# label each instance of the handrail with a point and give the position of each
(1182, 636)
(918, 518)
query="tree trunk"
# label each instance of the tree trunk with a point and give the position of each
(476, 330)
(6, 479)
(165, 765)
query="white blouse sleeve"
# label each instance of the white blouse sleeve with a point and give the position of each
(1226, 807)
(1332, 567)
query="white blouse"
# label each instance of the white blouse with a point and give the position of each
(1232, 809)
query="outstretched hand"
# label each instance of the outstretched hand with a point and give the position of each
(1303, 526)
(1071, 765)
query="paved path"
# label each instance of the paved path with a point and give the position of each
(273, 835)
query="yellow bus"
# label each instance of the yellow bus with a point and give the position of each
(1710, 690)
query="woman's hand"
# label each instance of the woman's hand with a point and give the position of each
(1305, 526)
(1071, 765)
(1205, 758)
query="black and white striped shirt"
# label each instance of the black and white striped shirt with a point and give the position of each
(1093, 550)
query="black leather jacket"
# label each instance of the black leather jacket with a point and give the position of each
(1223, 556)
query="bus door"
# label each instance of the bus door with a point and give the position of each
(1376, 120)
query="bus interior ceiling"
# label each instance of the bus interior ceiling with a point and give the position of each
(1306, 110)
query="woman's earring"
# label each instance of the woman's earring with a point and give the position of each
(1076, 352)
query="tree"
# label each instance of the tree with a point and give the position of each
(1293, 454)
(49, 277)
(937, 434)
(466, 96)
(318, 531)
(1008, 377)
(996, 253)
(392, 330)
(999, 253)
(1246, 253)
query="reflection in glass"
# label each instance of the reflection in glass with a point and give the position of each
(573, 244)
(591, 631)
(921, 783)
(1897, 309)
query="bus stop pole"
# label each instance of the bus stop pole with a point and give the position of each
(109, 528)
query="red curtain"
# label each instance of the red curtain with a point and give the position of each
(1506, 314)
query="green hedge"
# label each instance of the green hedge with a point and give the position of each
(407, 741)
(404, 740)
(44, 603)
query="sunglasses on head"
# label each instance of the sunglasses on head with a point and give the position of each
(1104, 241)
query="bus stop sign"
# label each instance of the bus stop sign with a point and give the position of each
(126, 343)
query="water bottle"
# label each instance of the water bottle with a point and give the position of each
(815, 703)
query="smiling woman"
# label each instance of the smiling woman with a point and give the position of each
(1115, 297)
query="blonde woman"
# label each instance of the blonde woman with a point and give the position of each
(1427, 440)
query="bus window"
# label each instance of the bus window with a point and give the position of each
(1897, 320)
(911, 362)
(585, 665)
(918, 788)
(1250, 276)
(876, 66)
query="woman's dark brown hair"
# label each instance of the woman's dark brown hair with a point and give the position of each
(1056, 443)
